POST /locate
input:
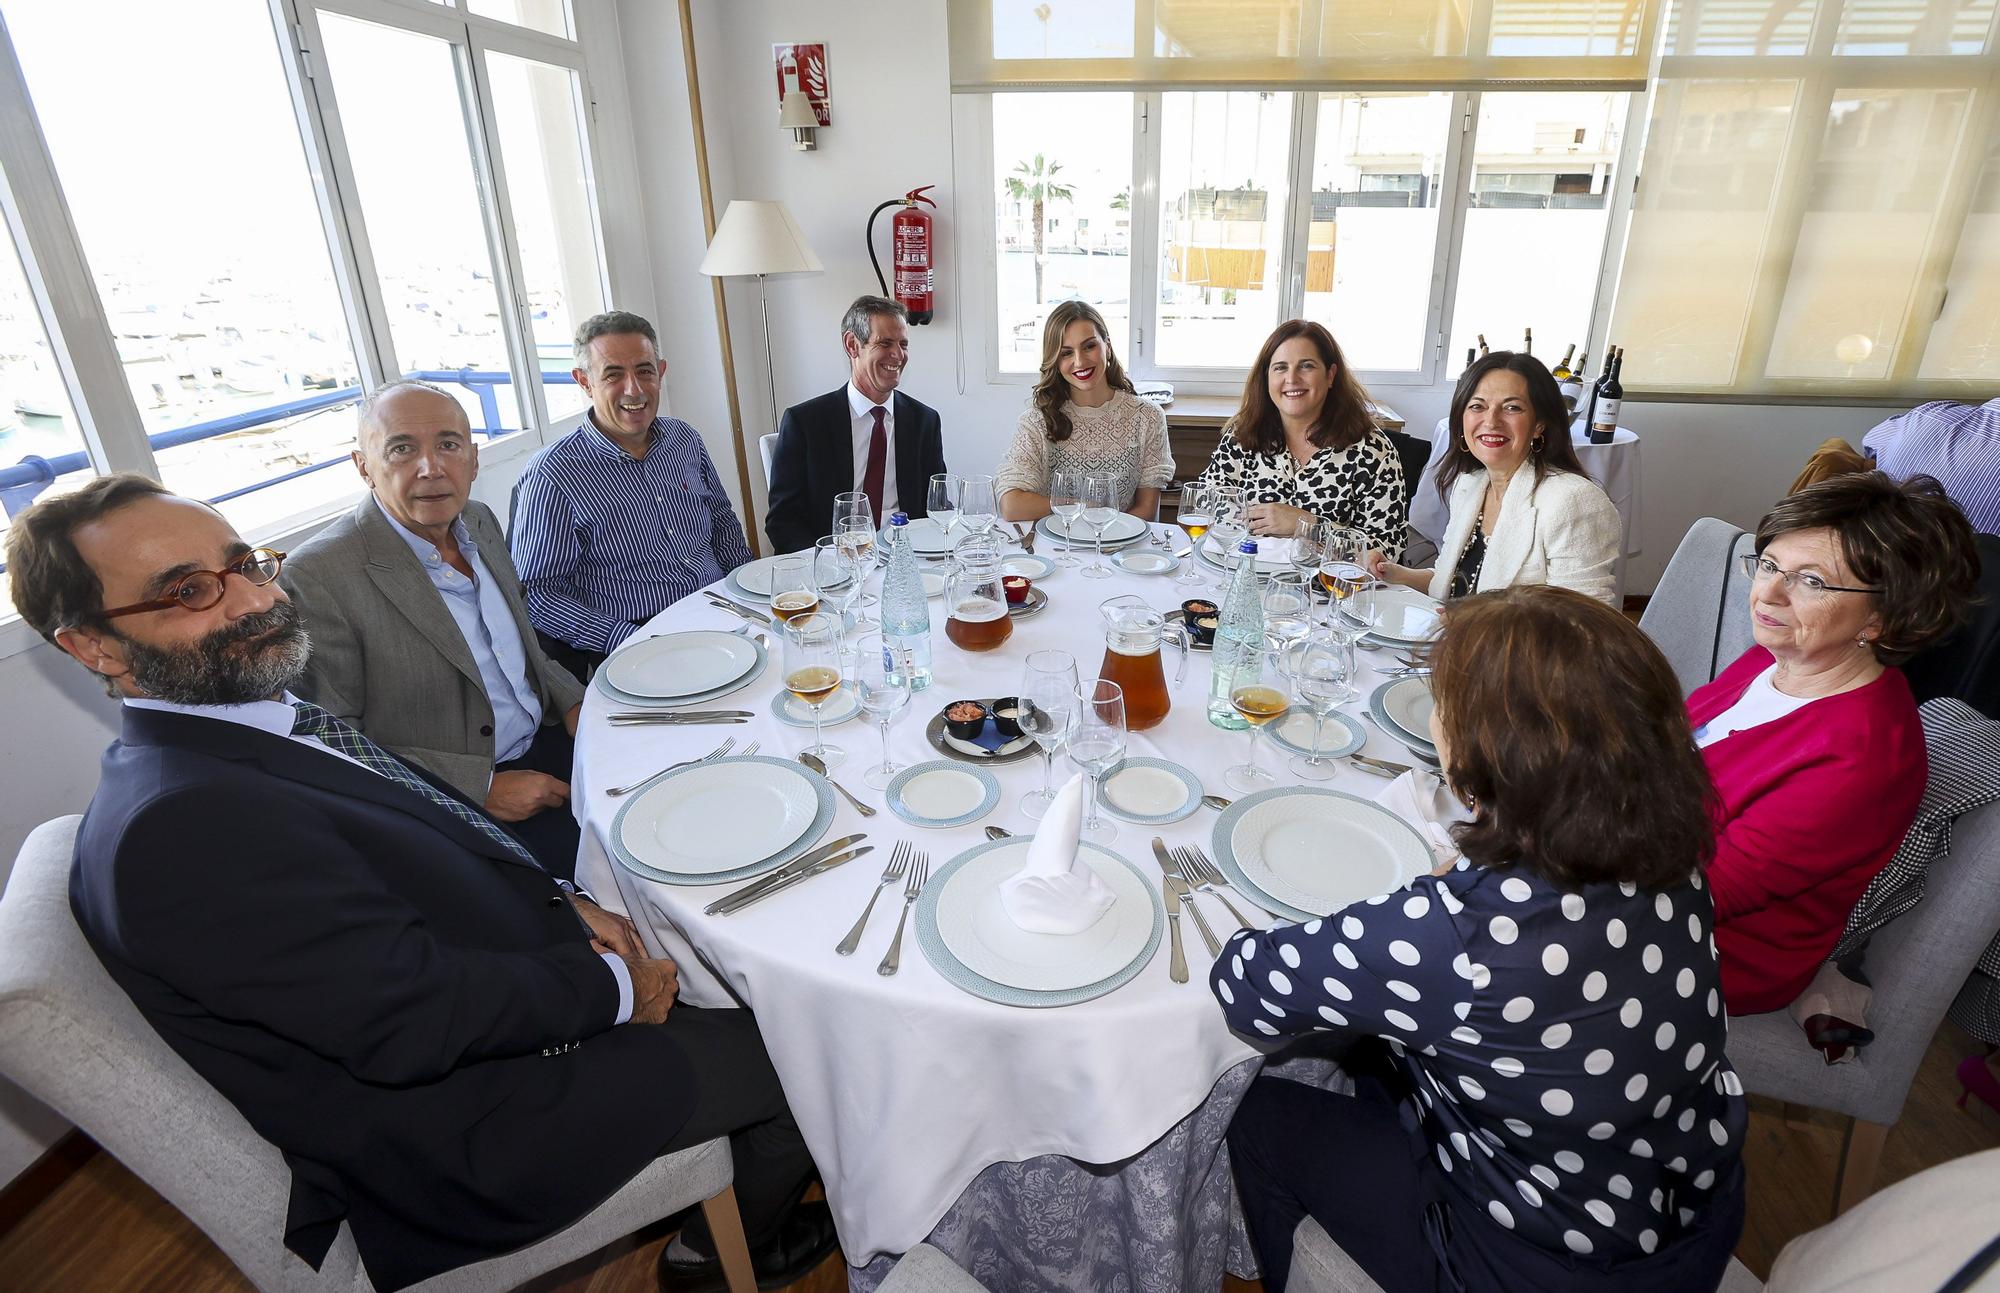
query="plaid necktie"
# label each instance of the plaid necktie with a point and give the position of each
(337, 735)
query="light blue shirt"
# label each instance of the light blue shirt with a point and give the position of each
(276, 717)
(487, 626)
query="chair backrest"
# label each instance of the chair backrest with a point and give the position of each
(1967, 664)
(1415, 455)
(72, 1038)
(767, 449)
(1699, 613)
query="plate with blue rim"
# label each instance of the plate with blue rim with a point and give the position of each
(620, 697)
(763, 798)
(1340, 736)
(753, 578)
(1124, 531)
(1403, 707)
(1027, 565)
(1149, 791)
(838, 708)
(1394, 615)
(1305, 851)
(940, 793)
(969, 939)
(1146, 561)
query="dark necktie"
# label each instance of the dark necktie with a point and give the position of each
(878, 458)
(335, 734)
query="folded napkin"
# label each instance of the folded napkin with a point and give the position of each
(1419, 797)
(1052, 893)
(1272, 549)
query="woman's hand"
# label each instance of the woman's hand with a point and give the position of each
(1380, 567)
(1275, 518)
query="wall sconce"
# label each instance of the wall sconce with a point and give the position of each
(803, 105)
(795, 113)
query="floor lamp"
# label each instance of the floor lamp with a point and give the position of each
(759, 238)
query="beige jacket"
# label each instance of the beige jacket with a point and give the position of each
(1564, 531)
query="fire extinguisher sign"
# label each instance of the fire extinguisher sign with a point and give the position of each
(802, 70)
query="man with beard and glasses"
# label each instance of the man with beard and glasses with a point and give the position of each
(420, 638)
(433, 1030)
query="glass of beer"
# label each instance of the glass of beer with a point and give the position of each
(794, 586)
(812, 672)
(1257, 692)
(1194, 517)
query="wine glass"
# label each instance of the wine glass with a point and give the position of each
(1230, 525)
(794, 584)
(856, 535)
(1194, 517)
(1048, 710)
(1320, 666)
(1097, 745)
(840, 574)
(1258, 693)
(1343, 571)
(812, 672)
(942, 503)
(1287, 601)
(882, 688)
(976, 505)
(1100, 509)
(852, 503)
(1308, 537)
(1066, 501)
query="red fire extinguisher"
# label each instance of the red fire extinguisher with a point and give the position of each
(909, 253)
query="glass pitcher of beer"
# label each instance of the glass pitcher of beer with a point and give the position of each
(1132, 634)
(977, 618)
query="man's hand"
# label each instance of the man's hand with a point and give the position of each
(1275, 518)
(519, 795)
(654, 984)
(570, 716)
(613, 933)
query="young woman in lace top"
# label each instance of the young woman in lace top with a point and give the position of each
(1303, 444)
(1084, 417)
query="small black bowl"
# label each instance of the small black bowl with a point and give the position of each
(1193, 613)
(968, 728)
(1006, 713)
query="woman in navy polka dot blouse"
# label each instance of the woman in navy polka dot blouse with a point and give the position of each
(1536, 1031)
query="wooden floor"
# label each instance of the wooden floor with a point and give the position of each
(103, 1231)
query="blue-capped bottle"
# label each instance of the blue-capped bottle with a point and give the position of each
(1242, 623)
(906, 612)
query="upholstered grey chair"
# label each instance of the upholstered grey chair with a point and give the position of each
(925, 1269)
(767, 449)
(73, 1039)
(1699, 613)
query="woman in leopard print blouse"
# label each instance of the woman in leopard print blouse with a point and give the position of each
(1302, 444)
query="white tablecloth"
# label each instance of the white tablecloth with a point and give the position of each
(1614, 466)
(906, 1088)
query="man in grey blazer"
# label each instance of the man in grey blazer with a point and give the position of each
(420, 637)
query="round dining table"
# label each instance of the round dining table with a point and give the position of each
(995, 1131)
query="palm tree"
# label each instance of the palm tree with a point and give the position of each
(1034, 182)
(1122, 201)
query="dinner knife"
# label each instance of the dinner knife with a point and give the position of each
(1177, 967)
(1380, 767)
(677, 715)
(755, 617)
(797, 877)
(798, 863)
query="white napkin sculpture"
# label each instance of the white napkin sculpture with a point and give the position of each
(1420, 798)
(1051, 893)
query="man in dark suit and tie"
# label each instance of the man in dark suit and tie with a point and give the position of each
(457, 1053)
(866, 436)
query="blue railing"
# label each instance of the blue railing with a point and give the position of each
(20, 483)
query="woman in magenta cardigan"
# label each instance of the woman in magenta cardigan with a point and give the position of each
(1812, 736)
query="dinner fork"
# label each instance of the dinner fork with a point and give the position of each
(710, 757)
(1203, 875)
(899, 858)
(920, 871)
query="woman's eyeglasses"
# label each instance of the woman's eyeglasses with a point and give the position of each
(1760, 568)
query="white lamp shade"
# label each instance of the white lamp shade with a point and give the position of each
(758, 238)
(796, 110)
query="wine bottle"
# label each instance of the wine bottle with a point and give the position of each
(1470, 358)
(1482, 345)
(1527, 341)
(1572, 384)
(1561, 371)
(1611, 395)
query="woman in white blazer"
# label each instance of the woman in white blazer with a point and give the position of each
(1522, 509)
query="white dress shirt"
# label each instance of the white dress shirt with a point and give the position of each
(861, 418)
(277, 717)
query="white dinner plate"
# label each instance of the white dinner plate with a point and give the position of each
(1124, 528)
(677, 665)
(842, 705)
(1312, 851)
(1149, 791)
(672, 824)
(1028, 565)
(754, 577)
(1145, 561)
(940, 794)
(933, 583)
(1404, 708)
(974, 925)
(928, 539)
(1397, 615)
(1340, 734)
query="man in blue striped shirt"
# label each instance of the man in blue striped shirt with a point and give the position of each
(624, 516)
(1957, 443)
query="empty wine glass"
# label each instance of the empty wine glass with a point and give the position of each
(1258, 694)
(881, 687)
(1320, 667)
(1194, 516)
(1287, 607)
(1048, 710)
(942, 504)
(1100, 509)
(976, 506)
(1308, 537)
(1230, 525)
(1097, 745)
(852, 503)
(812, 672)
(840, 574)
(856, 535)
(1066, 501)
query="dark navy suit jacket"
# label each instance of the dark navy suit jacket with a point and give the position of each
(814, 461)
(414, 1016)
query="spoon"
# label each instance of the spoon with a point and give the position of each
(1217, 802)
(998, 833)
(811, 760)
